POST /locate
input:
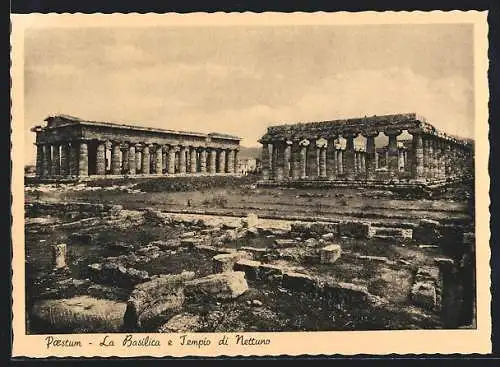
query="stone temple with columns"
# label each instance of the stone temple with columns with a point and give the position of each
(71, 148)
(343, 152)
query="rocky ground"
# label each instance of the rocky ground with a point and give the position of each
(149, 265)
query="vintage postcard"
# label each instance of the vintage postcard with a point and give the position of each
(250, 184)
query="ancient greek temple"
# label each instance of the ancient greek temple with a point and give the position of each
(345, 150)
(69, 147)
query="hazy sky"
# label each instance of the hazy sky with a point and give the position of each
(239, 80)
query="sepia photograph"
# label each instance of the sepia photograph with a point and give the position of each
(250, 179)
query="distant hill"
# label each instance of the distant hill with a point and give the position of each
(246, 152)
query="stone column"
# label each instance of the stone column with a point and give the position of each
(56, 160)
(312, 160)
(83, 159)
(376, 159)
(132, 169)
(356, 161)
(279, 163)
(295, 160)
(426, 162)
(125, 151)
(182, 159)
(363, 162)
(192, 160)
(138, 158)
(115, 158)
(73, 158)
(321, 145)
(64, 159)
(448, 160)
(47, 160)
(303, 157)
(171, 160)
(401, 160)
(440, 159)
(203, 160)
(371, 159)
(393, 151)
(145, 164)
(222, 161)
(288, 158)
(39, 160)
(212, 160)
(164, 158)
(348, 164)
(340, 161)
(418, 166)
(266, 167)
(331, 158)
(158, 159)
(431, 159)
(100, 158)
(237, 161)
(230, 160)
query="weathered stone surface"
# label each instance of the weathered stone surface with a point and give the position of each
(166, 244)
(329, 254)
(314, 228)
(121, 246)
(80, 314)
(428, 273)
(311, 242)
(225, 262)
(108, 292)
(427, 231)
(328, 236)
(257, 253)
(284, 243)
(250, 221)
(268, 270)
(192, 242)
(346, 293)
(114, 273)
(152, 302)
(381, 259)
(354, 229)
(188, 234)
(298, 282)
(249, 267)
(219, 286)
(184, 322)
(150, 251)
(423, 293)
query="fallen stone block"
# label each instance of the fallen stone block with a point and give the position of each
(380, 259)
(191, 242)
(114, 273)
(250, 221)
(249, 267)
(268, 270)
(428, 273)
(80, 314)
(182, 323)
(225, 262)
(217, 286)
(166, 245)
(298, 282)
(328, 236)
(423, 293)
(354, 229)
(311, 242)
(346, 293)
(320, 228)
(108, 292)
(285, 243)
(257, 253)
(188, 234)
(59, 256)
(427, 231)
(152, 302)
(329, 254)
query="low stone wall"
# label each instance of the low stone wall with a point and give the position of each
(48, 208)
